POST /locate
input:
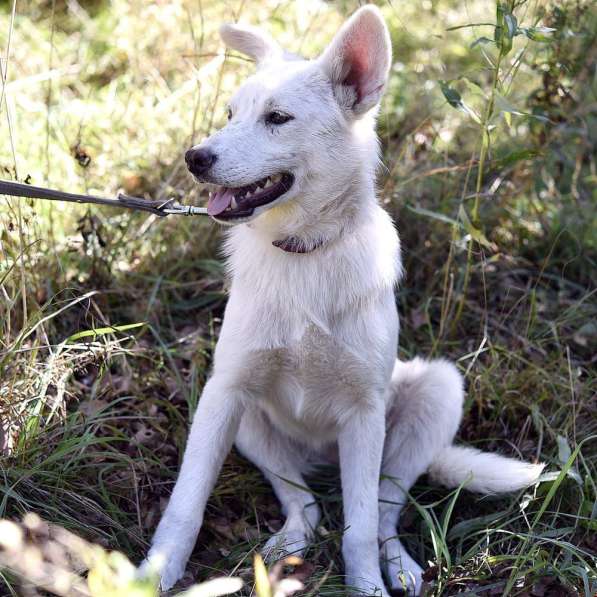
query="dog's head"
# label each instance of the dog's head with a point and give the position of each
(300, 132)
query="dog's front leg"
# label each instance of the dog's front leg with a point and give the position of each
(360, 445)
(214, 428)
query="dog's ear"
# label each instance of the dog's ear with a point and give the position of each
(358, 60)
(250, 41)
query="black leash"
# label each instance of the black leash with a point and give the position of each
(158, 208)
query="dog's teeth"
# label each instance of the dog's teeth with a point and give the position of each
(233, 203)
(262, 182)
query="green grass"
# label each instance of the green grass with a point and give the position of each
(500, 261)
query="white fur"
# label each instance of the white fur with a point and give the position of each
(305, 367)
(482, 472)
(251, 41)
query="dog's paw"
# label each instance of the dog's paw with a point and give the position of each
(171, 548)
(285, 543)
(366, 584)
(164, 562)
(403, 572)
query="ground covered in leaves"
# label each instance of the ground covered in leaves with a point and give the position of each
(108, 320)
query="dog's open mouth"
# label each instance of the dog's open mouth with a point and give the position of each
(231, 203)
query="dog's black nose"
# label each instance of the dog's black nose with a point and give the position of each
(199, 160)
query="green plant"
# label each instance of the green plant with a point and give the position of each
(494, 108)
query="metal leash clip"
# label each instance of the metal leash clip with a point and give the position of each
(173, 207)
(158, 208)
(163, 208)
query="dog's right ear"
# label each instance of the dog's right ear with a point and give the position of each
(250, 41)
(358, 60)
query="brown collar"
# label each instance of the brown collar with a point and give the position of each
(293, 244)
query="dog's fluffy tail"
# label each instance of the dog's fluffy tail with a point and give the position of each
(482, 472)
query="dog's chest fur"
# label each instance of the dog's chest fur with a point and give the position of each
(307, 387)
(307, 337)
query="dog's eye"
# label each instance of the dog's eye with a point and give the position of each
(229, 113)
(276, 117)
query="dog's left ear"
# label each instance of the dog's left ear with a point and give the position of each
(358, 60)
(250, 41)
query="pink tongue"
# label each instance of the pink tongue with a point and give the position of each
(219, 201)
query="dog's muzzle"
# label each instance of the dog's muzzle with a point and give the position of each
(200, 160)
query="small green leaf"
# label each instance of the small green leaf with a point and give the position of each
(455, 100)
(564, 450)
(505, 44)
(564, 453)
(540, 34)
(95, 332)
(474, 88)
(499, 23)
(476, 234)
(517, 156)
(505, 28)
(503, 105)
(511, 25)
(433, 215)
(453, 97)
(482, 40)
(466, 528)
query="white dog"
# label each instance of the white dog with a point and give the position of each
(305, 368)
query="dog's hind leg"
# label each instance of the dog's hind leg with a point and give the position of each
(423, 417)
(282, 463)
